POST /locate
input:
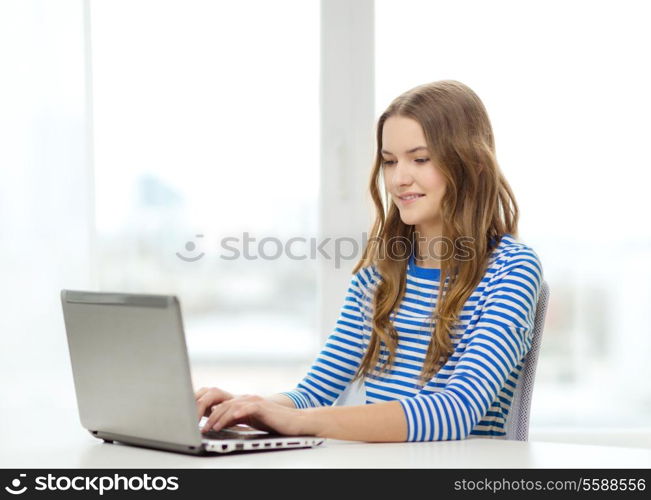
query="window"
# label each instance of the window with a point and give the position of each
(206, 127)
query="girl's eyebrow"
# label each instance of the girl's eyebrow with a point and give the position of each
(410, 151)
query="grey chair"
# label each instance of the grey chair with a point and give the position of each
(517, 421)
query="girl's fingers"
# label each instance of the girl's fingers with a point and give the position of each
(217, 412)
(202, 406)
(231, 415)
(204, 402)
(201, 392)
(232, 409)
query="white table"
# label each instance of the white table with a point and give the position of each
(56, 439)
(89, 452)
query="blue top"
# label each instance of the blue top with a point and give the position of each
(422, 272)
(471, 394)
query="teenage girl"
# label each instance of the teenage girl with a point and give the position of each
(440, 309)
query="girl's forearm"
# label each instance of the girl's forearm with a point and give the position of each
(379, 422)
(281, 399)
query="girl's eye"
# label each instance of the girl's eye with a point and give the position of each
(418, 160)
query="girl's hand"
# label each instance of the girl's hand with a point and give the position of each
(207, 397)
(256, 412)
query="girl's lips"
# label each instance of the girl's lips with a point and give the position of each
(410, 200)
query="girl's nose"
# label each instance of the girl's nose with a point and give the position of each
(402, 175)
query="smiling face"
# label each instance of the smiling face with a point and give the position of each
(407, 168)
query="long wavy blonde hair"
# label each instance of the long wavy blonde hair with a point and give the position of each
(478, 207)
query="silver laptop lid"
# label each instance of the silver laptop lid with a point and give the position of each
(130, 365)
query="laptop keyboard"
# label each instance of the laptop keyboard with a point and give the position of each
(228, 434)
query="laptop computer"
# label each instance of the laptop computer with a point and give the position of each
(132, 377)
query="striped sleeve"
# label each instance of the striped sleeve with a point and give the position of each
(339, 359)
(498, 342)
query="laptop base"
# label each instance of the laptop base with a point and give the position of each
(150, 443)
(213, 447)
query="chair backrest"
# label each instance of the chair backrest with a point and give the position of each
(517, 421)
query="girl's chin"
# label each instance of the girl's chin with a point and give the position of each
(411, 221)
(414, 221)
